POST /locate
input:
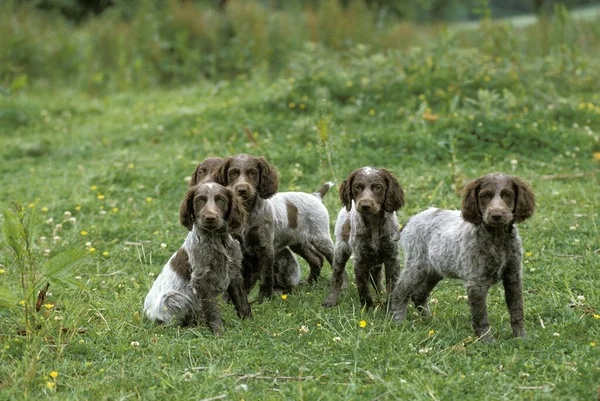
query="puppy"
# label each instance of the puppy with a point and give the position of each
(479, 244)
(208, 263)
(365, 228)
(254, 180)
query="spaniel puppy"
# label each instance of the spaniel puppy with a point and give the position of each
(365, 229)
(205, 170)
(208, 263)
(479, 244)
(301, 222)
(254, 180)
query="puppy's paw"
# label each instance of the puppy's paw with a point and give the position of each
(330, 302)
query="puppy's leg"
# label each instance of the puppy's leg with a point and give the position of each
(313, 258)
(409, 279)
(265, 261)
(362, 274)
(239, 298)
(477, 293)
(177, 308)
(286, 270)
(208, 303)
(377, 279)
(513, 290)
(326, 248)
(421, 293)
(342, 254)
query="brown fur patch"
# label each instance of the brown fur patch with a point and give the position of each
(346, 230)
(181, 264)
(292, 214)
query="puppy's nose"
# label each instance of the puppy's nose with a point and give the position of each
(365, 207)
(210, 219)
(496, 215)
(242, 190)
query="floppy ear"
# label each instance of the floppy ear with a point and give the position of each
(186, 211)
(525, 202)
(470, 208)
(236, 214)
(221, 172)
(195, 176)
(394, 196)
(268, 179)
(346, 191)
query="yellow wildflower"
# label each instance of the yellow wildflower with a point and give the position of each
(431, 332)
(100, 196)
(50, 385)
(148, 199)
(371, 112)
(528, 254)
(92, 249)
(284, 297)
(93, 187)
(105, 253)
(131, 165)
(54, 374)
(362, 323)
(596, 316)
(49, 306)
(84, 233)
(292, 105)
(44, 209)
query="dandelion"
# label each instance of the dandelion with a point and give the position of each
(284, 297)
(592, 344)
(596, 157)
(318, 324)
(362, 324)
(84, 233)
(77, 208)
(44, 209)
(54, 374)
(302, 106)
(131, 165)
(92, 249)
(50, 385)
(93, 187)
(349, 84)
(22, 302)
(594, 315)
(105, 253)
(155, 233)
(48, 306)
(431, 332)
(31, 205)
(1, 271)
(148, 199)
(371, 112)
(100, 196)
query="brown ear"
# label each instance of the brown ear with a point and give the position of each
(346, 191)
(470, 207)
(221, 172)
(236, 214)
(394, 196)
(525, 202)
(268, 179)
(186, 211)
(195, 177)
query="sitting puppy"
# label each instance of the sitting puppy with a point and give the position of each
(254, 180)
(365, 229)
(480, 248)
(208, 263)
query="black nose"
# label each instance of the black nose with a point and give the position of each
(496, 216)
(241, 190)
(365, 207)
(210, 220)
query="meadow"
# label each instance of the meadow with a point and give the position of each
(105, 169)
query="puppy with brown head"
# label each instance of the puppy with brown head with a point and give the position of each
(479, 244)
(204, 171)
(208, 263)
(365, 228)
(254, 180)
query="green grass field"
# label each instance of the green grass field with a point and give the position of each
(117, 163)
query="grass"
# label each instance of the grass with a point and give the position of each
(117, 162)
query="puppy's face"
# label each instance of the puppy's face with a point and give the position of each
(205, 171)
(248, 176)
(211, 206)
(372, 190)
(497, 200)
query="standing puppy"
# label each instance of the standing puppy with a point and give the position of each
(208, 263)
(365, 229)
(254, 180)
(481, 248)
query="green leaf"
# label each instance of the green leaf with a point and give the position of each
(68, 282)
(7, 298)
(30, 222)
(13, 233)
(60, 263)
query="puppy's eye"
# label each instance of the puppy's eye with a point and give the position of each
(252, 173)
(485, 196)
(507, 196)
(377, 188)
(358, 187)
(221, 202)
(234, 173)
(201, 200)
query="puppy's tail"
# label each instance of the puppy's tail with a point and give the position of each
(323, 190)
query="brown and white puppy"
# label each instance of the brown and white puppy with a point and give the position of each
(479, 245)
(207, 264)
(365, 228)
(254, 180)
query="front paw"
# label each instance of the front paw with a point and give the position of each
(330, 301)
(519, 332)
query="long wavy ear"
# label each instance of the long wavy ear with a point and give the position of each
(525, 202)
(197, 176)
(236, 214)
(209, 165)
(470, 208)
(221, 172)
(268, 179)
(186, 211)
(394, 196)
(346, 190)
